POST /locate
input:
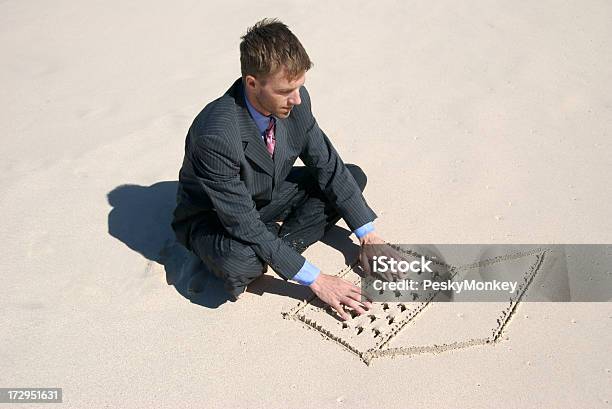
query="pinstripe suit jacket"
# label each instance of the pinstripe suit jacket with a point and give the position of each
(228, 174)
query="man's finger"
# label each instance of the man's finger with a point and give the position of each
(353, 288)
(343, 314)
(356, 298)
(354, 305)
(360, 292)
(362, 297)
(364, 261)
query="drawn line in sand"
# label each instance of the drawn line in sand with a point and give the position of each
(368, 336)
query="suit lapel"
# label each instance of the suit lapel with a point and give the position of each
(252, 142)
(280, 149)
(254, 146)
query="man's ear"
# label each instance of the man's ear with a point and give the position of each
(250, 81)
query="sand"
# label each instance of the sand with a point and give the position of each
(481, 122)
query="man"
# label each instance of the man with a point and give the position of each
(237, 179)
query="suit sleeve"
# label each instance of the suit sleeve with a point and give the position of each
(217, 169)
(334, 179)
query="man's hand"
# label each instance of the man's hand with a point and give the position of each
(373, 245)
(371, 238)
(337, 292)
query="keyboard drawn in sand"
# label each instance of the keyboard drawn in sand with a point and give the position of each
(407, 328)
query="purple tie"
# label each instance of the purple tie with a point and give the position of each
(269, 137)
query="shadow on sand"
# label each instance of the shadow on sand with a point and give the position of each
(141, 218)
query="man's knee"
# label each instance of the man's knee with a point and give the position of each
(358, 174)
(237, 269)
(225, 256)
(241, 261)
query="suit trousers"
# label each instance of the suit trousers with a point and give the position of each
(305, 212)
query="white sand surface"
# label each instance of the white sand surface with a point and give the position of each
(476, 122)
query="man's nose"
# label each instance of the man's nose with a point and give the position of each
(294, 98)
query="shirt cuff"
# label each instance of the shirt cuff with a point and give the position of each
(365, 229)
(307, 274)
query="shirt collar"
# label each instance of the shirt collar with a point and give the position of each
(261, 121)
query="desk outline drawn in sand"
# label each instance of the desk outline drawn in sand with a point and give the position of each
(398, 315)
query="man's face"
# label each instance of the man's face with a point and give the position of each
(276, 95)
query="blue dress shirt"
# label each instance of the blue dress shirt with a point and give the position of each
(308, 273)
